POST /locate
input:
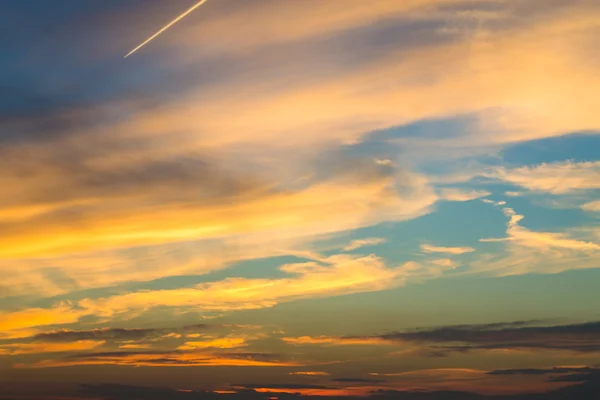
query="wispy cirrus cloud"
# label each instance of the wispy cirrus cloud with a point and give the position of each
(455, 194)
(173, 358)
(428, 248)
(358, 243)
(126, 172)
(539, 240)
(537, 251)
(555, 178)
(326, 276)
(225, 229)
(331, 276)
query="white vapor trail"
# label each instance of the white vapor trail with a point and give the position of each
(164, 28)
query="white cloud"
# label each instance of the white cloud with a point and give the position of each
(592, 206)
(537, 251)
(427, 248)
(554, 178)
(453, 194)
(445, 262)
(513, 194)
(540, 241)
(358, 243)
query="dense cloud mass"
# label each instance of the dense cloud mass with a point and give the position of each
(577, 337)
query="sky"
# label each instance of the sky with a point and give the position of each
(283, 198)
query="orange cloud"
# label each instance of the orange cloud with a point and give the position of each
(20, 323)
(340, 341)
(135, 346)
(280, 121)
(263, 226)
(165, 359)
(309, 373)
(320, 392)
(37, 348)
(592, 206)
(333, 276)
(223, 343)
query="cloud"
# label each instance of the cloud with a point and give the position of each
(223, 343)
(481, 55)
(190, 235)
(358, 243)
(586, 377)
(437, 372)
(135, 346)
(174, 358)
(326, 276)
(291, 386)
(445, 263)
(461, 383)
(555, 178)
(539, 240)
(309, 373)
(117, 391)
(311, 211)
(554, 252)
(592, 206)
(37, 348)
(337, 341)
(513, 194)
(454, 194)
(224, 153)
(332, 276)
(357, 380)
(545, 371)
(148, 393)
(22, 323)
(579, 338)
(427, 248)
(118, 334)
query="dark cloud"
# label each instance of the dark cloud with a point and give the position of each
(289, 386)
(114, 391)
(542, 371)
(357, 380)
(133, 354)
(163, 358)
(583, 375)
(128, 392)
(583, 391)
(116, 333)
(72, 170)
(438, 342)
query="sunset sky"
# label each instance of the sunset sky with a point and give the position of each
(323, 197)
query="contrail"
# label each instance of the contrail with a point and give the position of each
(166, 27)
